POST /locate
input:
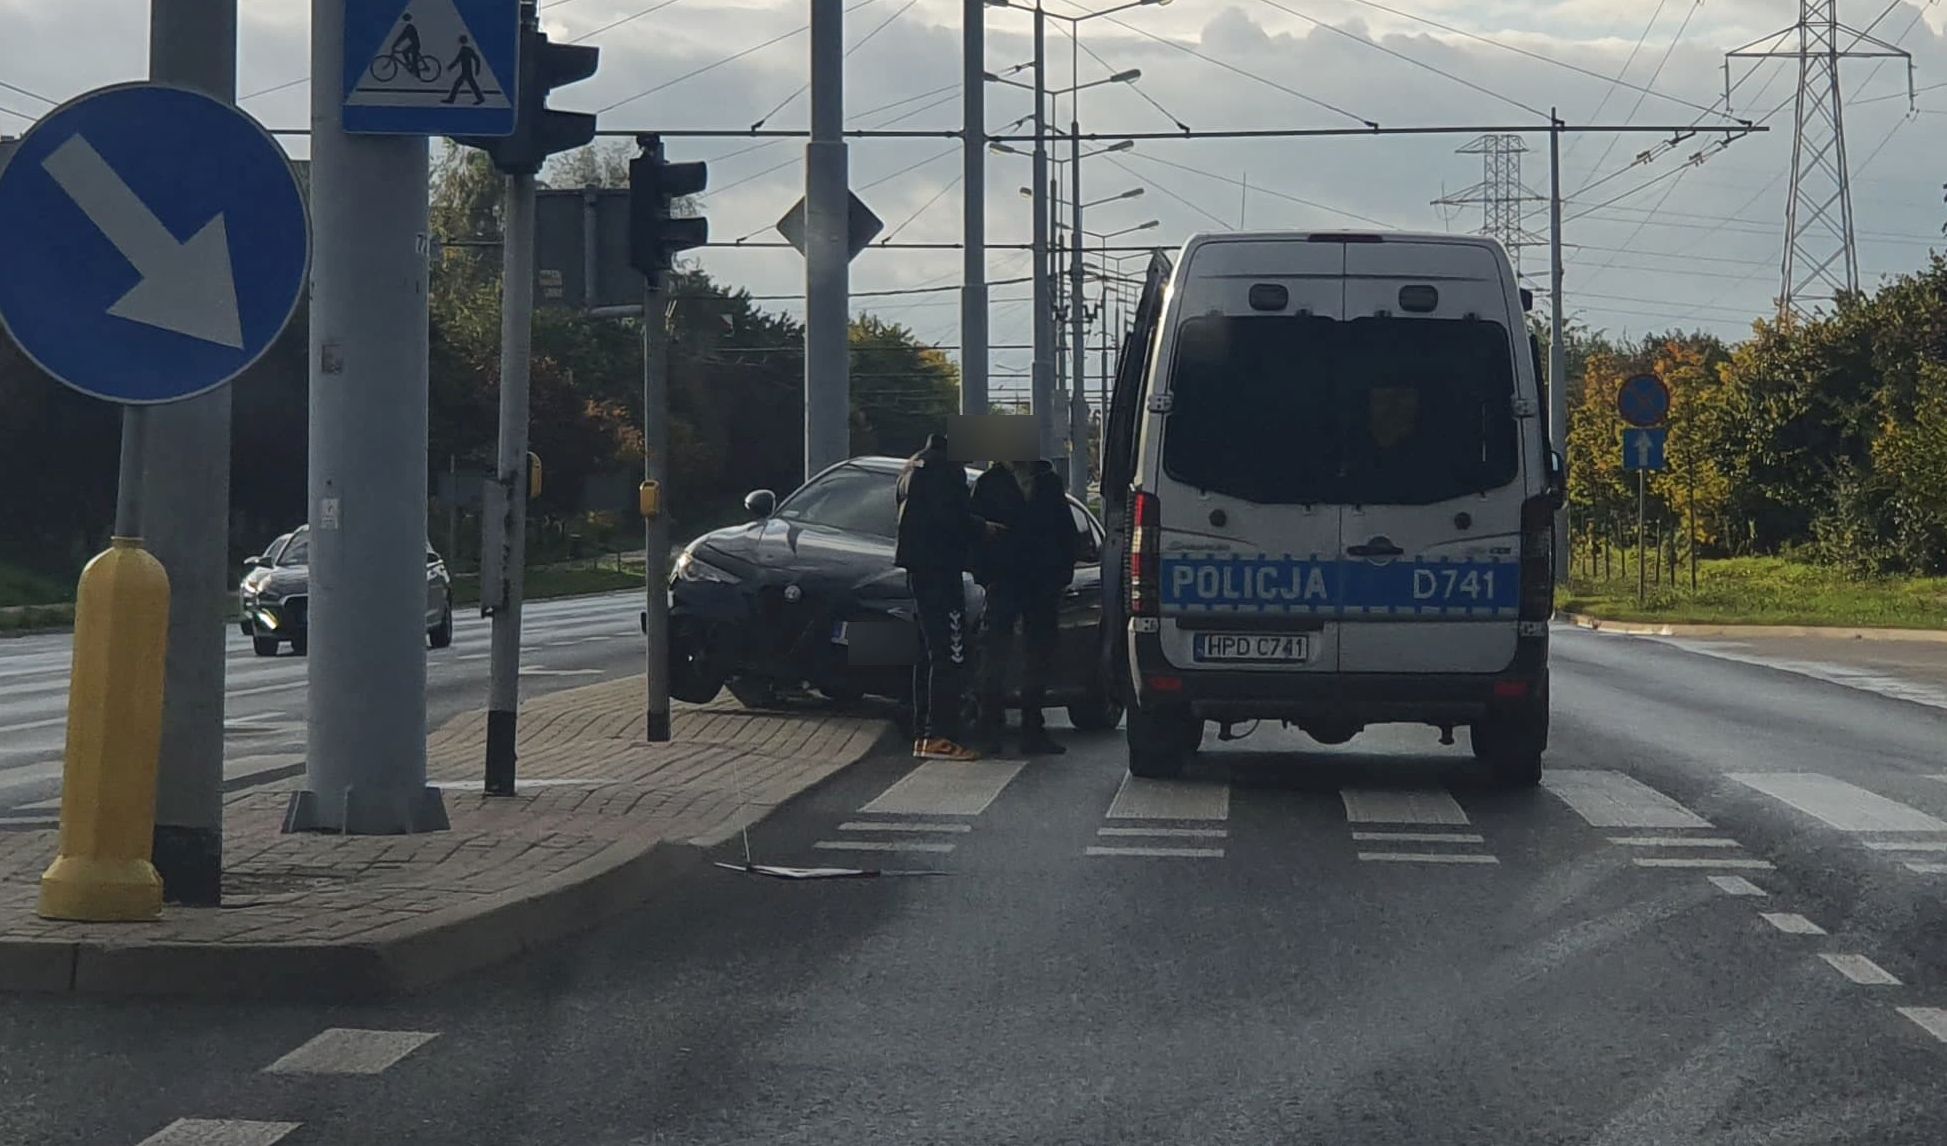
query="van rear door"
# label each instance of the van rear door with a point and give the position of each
(1248, 534)
(1437, 410)
(1119, 441)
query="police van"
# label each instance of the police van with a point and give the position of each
(1326, 471)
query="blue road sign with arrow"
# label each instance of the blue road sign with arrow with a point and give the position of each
(1643, 400)
(154, 242)
(1642, 448)
(431, 67)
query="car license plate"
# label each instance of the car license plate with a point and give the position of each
(1250, 648)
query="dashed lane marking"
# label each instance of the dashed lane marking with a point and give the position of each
(1922, 868)
(1791, 923)
(1673, 841)
(1142, 799)
(1401, 806)
(1609, 799)
(1167, 833)
(1736, 885)
(901, 826)
(1702, 861)
(1420, 837)
(946, 788)
(1860, 970)
(882, 846)
(1907, 845)
(1932, 1020)
(348, 1050)
(1159, 853)
(219, 1132)
(1424, 857)
(1847, 807)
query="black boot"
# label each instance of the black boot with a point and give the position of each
(1035, 740)
(989, 722)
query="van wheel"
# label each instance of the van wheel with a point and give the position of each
(1511, 743)
(1161, 742)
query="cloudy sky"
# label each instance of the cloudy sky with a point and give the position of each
(1696, 245)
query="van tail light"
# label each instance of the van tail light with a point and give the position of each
(1537, 559)
(1144, 551)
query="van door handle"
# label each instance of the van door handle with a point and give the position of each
(1378, 547)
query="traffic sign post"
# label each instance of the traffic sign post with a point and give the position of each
(105, 294)
(431, 67)
(1643, 401)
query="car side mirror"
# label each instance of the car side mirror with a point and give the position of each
(1088, 552)
(760, 502)
(253, 562)
(1557, 480)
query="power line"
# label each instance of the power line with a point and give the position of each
(1622, 71)
(1152, 181)
(1642, 95)
(18, 90)
(1260, 189)
(937, 195)
(612, 25)
(805, 87)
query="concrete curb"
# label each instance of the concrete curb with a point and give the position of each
(1832, 632)
(390, 961)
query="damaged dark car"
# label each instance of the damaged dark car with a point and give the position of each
(805, 598)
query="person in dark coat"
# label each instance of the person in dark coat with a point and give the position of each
(938, 530)
(1024, 569)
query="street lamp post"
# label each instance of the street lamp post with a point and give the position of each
(1044, 267)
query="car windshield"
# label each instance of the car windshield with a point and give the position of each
(849, 498)
(1296, 409)
(298, 552)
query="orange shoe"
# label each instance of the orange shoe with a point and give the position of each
(940, 748)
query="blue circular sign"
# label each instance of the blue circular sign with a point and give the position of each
(1643, 401)
(155, 242)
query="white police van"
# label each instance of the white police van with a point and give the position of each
(1327, 471)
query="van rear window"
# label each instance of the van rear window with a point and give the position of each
(1296, 409)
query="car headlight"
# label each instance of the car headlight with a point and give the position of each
(690, 567)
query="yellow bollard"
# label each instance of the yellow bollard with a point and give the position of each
(121, 633)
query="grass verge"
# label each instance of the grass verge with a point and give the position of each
(1763, 591)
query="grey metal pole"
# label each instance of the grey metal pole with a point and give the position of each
(1042, 373)
(1557, 348)
(590, 250)
(1077, 318)
(655, 475)
(827, 359)
(184, 478)
(365, 724)
(509, 529)
(973, 295)
(128, 487)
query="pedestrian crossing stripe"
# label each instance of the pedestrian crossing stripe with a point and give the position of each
(428, 58)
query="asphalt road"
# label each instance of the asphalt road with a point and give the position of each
(565, 643)
(1702, 930)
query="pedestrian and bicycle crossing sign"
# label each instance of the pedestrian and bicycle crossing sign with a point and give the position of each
(431, 67)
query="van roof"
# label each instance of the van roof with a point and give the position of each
(1202, 238)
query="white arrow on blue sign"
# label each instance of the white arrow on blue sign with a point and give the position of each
(1643, 448)
(154, 241)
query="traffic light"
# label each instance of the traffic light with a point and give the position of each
(538, 131)
(655, 237)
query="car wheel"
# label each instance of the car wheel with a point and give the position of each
(244, 628)
(1096, 714)
(441, 635)
(264, 646)
(300, 644)
(1511, 743)
(1161, 741)
(753, 692)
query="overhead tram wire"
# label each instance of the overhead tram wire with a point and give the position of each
(614, 24)
(729, 59)
(1422, 64)
(805, 87)
(1621, 73)
(1152, 181)
(1151, 100)
(1610, 147)
(34, 95)
(1257, 188)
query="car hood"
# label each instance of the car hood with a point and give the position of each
(809, 555)
(278, 582)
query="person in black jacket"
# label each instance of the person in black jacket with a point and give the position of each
(937, 532)
(1024, 570)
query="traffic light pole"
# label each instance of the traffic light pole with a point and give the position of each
(507, 530)
(655, 479)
